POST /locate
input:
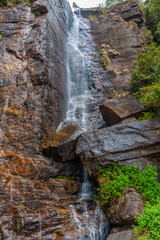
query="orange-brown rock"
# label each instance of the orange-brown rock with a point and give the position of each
(32, 73)
(61, 145)
(116, 110)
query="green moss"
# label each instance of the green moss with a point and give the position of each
(91, 17)
(11, 3)
(66, 177)
(27, 3)
(37, 14)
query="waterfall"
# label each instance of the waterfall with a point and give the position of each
(78, 114)
(77, 84)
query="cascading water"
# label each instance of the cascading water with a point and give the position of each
(77, 84)
(79, 98)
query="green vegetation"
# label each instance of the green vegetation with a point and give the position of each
(11, 3)
(116, 178)
(149, 223)
(113, 182)
(65, 177)
(145, 80)
(152, 9)
(37, 13)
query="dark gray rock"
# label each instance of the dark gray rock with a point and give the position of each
(123, 212)
(125, 235)
(126, 143)
(121, 28)
(116, 110)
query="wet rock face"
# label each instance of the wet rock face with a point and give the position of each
(36, 193)
(125, 143)
(36, 202)
(32, 73)
(120, 30)
(62, 145)
(116, 110)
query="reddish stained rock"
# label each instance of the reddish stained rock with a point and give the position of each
(116, 110)
(61, 145)
(32, 73)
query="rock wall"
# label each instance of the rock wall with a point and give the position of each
(35, 204)
(119, 33)
(32, 73)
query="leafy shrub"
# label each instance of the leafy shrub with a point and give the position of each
(149, 223)
(145, 81)
(147, 68)
(116, 178)
(149, 96)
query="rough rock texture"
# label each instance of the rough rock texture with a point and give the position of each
(116, 110)
(120, 33)
(61, 145)
(128, 143)
(36, 199)
(123, 212)
(32, 73)
(125, 235)
(34, 203)
(128, 120)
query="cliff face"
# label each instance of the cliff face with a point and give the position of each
(119, 33)
(36, 200)
(32, 73)
(34, 204)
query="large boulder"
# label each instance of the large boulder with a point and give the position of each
(125, 235)
(126, 143)
(124, 212)
(61, 145)
(116, 110)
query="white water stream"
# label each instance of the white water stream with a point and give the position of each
(77, 85)
(77, 114)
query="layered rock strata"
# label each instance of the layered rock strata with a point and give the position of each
(119, 33)
(37, 194)
(32, 73)
(125, 143)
